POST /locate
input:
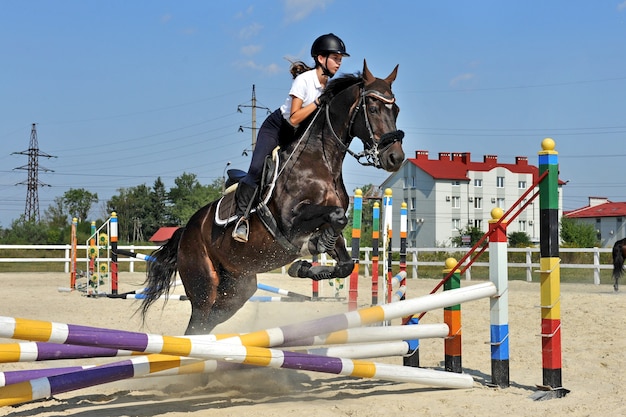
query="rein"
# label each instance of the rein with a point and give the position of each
(371, 153)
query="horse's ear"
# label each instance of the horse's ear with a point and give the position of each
(368, 78)
(392, 77)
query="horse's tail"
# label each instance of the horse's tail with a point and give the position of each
(160, 271)
(618, 260)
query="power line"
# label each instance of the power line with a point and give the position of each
(31, 211)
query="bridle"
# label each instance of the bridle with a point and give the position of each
(375, 147)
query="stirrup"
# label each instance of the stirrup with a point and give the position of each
(241, 237)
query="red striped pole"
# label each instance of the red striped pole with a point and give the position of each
(549, 268)
(357, 211)
(114, 269)
(73, 244)
(375, 237)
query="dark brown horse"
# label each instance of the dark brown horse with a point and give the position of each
(619, 252)
(306, 212)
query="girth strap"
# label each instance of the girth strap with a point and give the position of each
(269, 221)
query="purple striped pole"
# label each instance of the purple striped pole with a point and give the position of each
(65, 333)
(168, 345)
(42, 351)
(83, 335)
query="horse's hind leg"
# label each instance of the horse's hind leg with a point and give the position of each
(233, 292)
(201, 288)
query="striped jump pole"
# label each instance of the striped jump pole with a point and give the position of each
(404, 215)
(549, 268)
(136, 255)
(182, 347)
(281, 291)
(43, 351)
(113, 242)
(301, 332)
(452, 317)
(357, 212)
(499, 305)
(73, 334)
(375, 254)
(387, 239)
(73, 256)
(92, 253)
(359, 351)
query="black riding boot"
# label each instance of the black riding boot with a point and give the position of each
(244, 198)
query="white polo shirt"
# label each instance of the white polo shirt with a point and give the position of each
(306, 87)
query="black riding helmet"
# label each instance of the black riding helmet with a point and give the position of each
(326, 45)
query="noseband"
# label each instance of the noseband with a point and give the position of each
(375, 147)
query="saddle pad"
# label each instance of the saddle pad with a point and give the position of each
(225, 211)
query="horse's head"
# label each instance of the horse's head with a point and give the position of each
(374, 122)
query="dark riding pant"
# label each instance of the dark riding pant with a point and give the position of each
(275, 130)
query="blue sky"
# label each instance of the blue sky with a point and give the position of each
(126, 91)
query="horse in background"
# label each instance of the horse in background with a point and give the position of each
(619, 253)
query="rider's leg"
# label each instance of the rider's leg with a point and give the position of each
(267, 140)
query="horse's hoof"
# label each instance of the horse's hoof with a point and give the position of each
(300, 269)
(318, 273)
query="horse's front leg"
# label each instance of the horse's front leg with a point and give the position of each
(328, 239)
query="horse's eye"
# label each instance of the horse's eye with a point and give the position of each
(373, 109)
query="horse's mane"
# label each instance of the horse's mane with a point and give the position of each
(336, 85)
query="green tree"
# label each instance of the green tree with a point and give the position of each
(157, 215)
(132, 206)
(24, 232)
(474, 233)
(519, 240)
(57, 215)
(78, 202)
(188, 196)
(576, 234)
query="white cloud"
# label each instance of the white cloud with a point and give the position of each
(250, 50)
(247, 12)
(622, 6)
(296, 10)
(166, 18)
(460, 79)
(250, 31)
(270, 69)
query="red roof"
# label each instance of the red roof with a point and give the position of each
(455, 165)
(608, 209)
(163, 234)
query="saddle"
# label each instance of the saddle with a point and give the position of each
(225, 211)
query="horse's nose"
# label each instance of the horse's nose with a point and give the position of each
(395, 160)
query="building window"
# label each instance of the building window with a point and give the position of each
(456, 202)
(456, 183)
(521, 185)
(456, 224)
(413, 225)
(500, 203)
(499, 182)
(478, 202)
(522, 225)
(478, 183)
(413, 203)
(478, 223)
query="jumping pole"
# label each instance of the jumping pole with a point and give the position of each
(550, 270)
(499, 305)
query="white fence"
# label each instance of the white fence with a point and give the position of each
(413, 265)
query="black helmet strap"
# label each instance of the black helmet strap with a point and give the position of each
(325, 68)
